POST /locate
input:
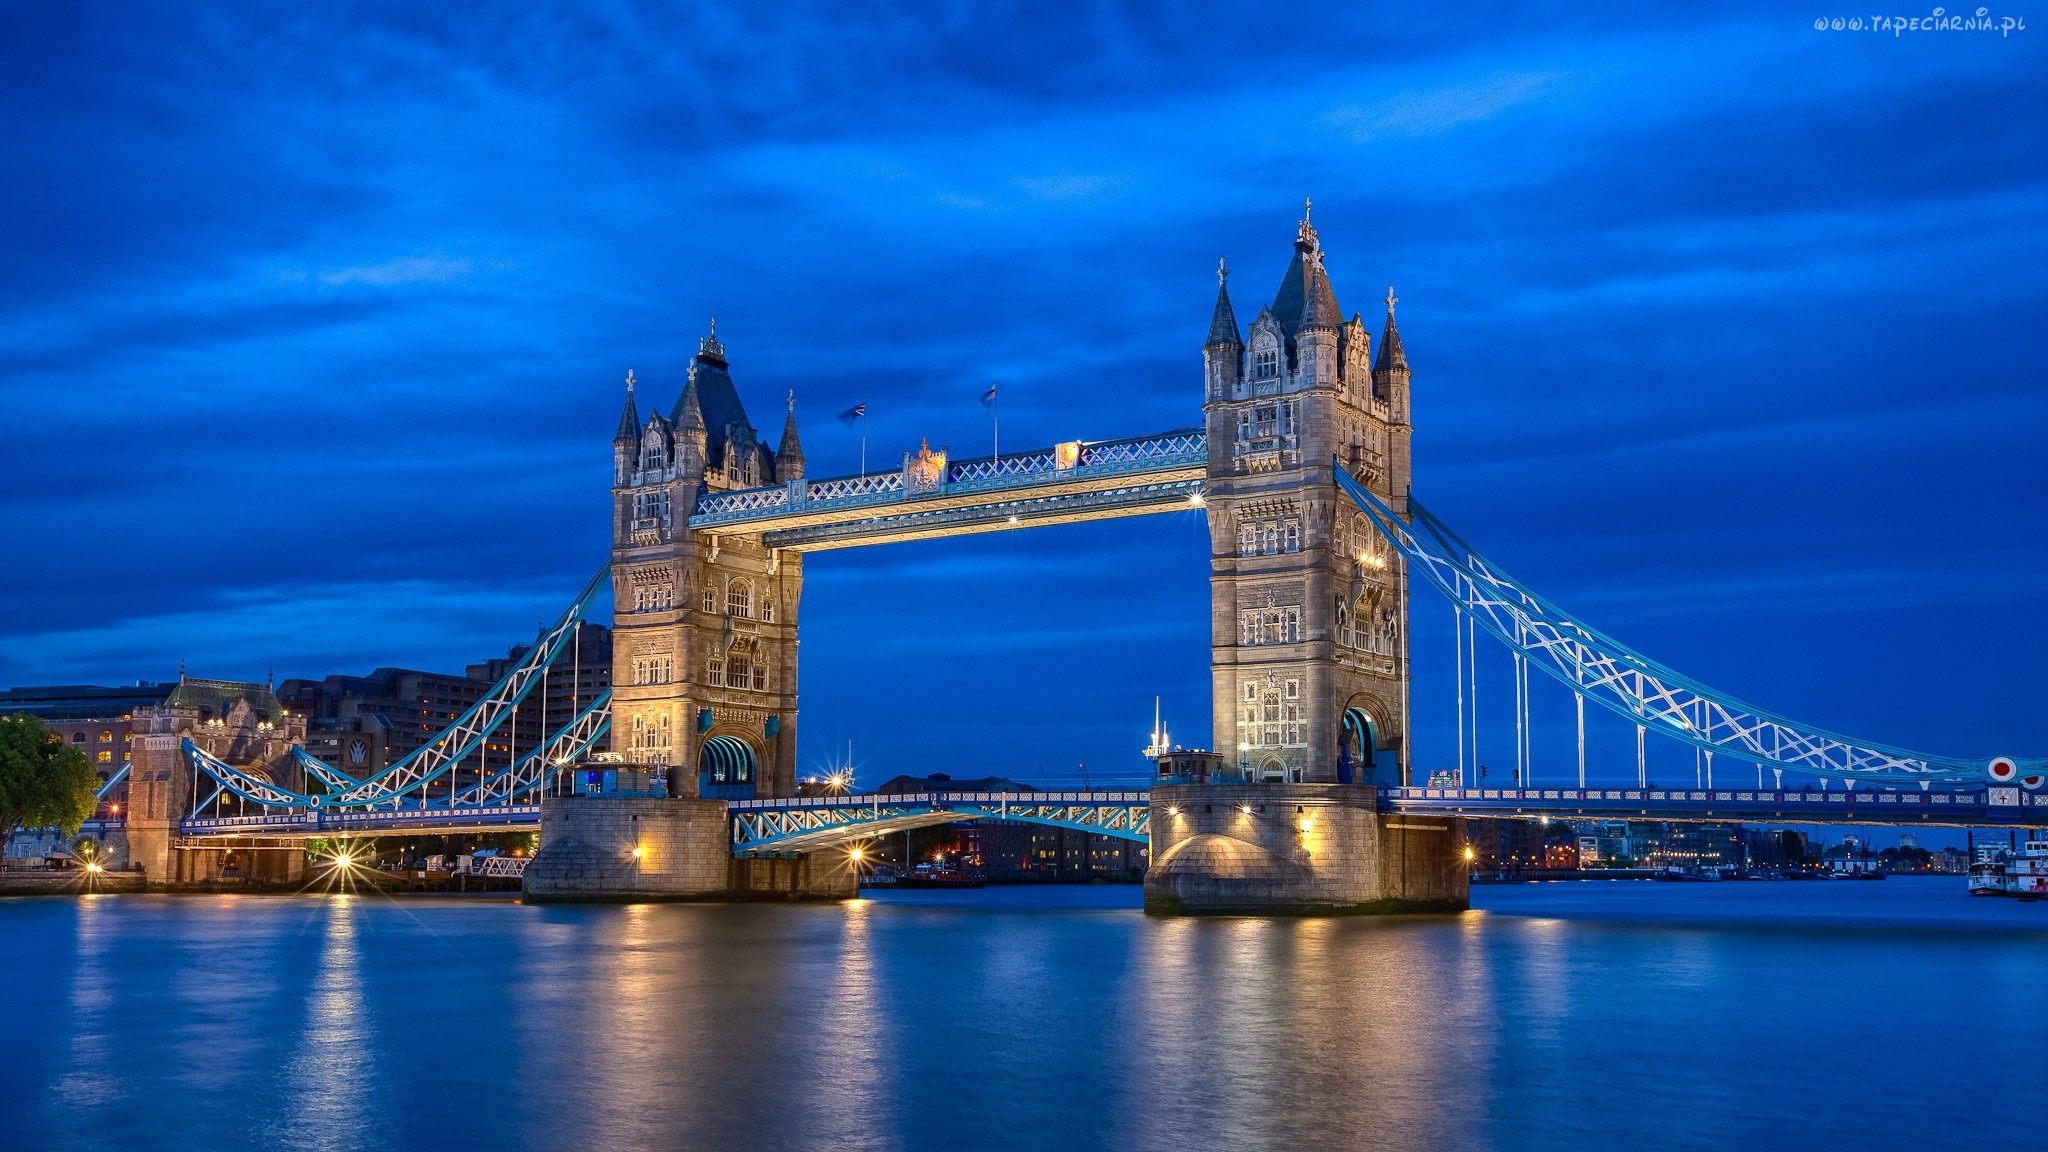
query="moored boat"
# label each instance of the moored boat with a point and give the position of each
(2024, 875)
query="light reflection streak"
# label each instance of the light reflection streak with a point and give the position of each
(330, 1088)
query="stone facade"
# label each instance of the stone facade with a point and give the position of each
(243, 724)
(1308, 602)
(1306, 848)
(605, 848)
(705, 630)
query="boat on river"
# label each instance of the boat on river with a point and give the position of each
(2024, 875)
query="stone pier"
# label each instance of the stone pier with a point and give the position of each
(1305, 849)
(630, 848)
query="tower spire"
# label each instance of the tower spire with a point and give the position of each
(1223, 321)
(629, 419)
(789, 458)
(1391, 356)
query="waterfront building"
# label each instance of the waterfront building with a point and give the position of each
(364, 724)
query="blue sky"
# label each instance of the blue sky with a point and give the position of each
(1725, 333)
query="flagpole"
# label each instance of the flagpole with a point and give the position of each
(995, 408)
(863, 439)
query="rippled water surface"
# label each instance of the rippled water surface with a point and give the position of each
(1581, 1016)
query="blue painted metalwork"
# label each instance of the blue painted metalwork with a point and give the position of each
(806, 823)
(108, 786)
(360, 822)
(428, 763)
(1610, 673)
(1977, 807)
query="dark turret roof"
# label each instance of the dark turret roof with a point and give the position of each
(629, 420)
(1223, 322)
(1390, 355)
(789, 459)
(1305, 286)
(717, 401)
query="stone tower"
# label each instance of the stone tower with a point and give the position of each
(1309, 604)
(705, 632)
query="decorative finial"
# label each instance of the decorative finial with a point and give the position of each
(1307, 203)
(629, 381)
(792, 399)
(1391, 300)
(714, 327)
(181, 669)
(1222, 271)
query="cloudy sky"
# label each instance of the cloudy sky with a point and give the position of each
(1726, 334)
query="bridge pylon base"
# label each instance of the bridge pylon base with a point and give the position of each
(1298, 849)
(638, 848)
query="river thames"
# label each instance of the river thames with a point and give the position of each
(1564, 1016)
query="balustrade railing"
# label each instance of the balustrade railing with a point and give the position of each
(1179, 448)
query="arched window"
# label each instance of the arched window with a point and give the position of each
(739, 598)
(767, 610)
(710, 600)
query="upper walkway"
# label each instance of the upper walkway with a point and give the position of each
(934, 496)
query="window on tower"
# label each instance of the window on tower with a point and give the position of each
(1266, 362)
(739, 598)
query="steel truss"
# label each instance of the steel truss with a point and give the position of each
(811, 822)
(1600, 668)
(409, 777)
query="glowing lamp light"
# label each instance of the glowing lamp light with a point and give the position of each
(858, 854)
(1470, 854)
(344, 860)
(1195, 499)
(1245, 809)
(636, 851)
(94, 868)
(1307, 826)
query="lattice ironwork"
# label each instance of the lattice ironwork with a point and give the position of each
(1608, 672)
(812, 822)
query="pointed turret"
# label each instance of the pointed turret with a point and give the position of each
(1319, 305)
(1223, 322)
(1391, 357)
(689, 411)
(789, 459)
(629, 420)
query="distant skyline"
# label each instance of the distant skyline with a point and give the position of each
(1725, 333)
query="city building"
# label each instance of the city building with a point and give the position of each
(364, 724)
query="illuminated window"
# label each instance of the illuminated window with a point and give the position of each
(106, 757)
(106, 737)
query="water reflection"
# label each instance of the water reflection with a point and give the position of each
(998, 1020)
(329, 1088)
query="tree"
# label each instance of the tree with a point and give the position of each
(44, 782)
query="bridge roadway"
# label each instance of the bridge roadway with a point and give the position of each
(807, 823)
(933, 496)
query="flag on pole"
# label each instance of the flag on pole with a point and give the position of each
(854, 414)
(988, 397)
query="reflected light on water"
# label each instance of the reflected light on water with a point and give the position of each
(330, 1076)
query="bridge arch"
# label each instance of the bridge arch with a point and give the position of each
(1363, 735)
(726, 759)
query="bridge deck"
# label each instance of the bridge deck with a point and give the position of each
(811, 822)
(2001, 807)
(932, 496)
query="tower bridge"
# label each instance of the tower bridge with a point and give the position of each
(1301, 464)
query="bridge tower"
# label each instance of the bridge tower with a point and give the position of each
(705, 633)
(1309, 603)
(1308, 626)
